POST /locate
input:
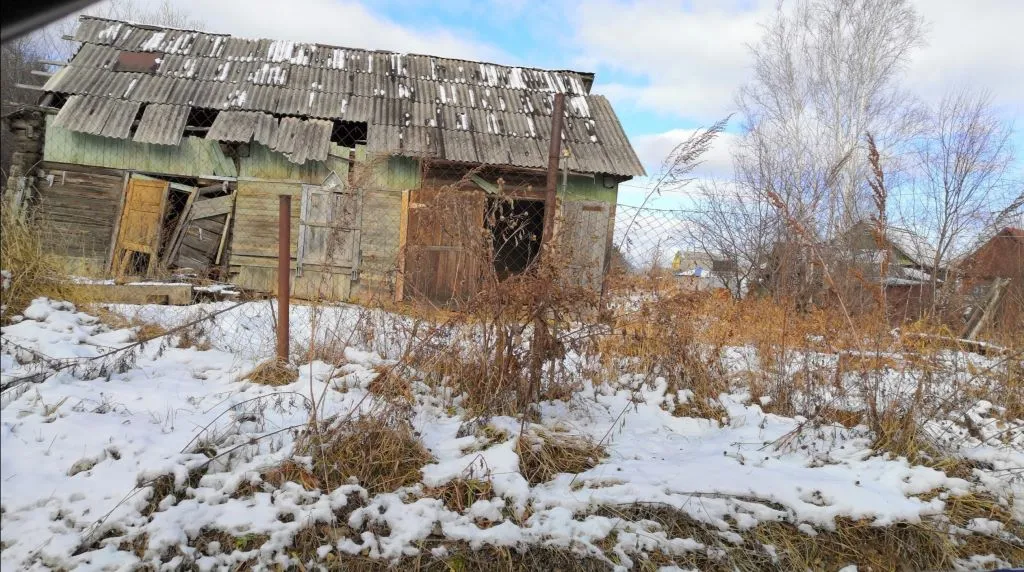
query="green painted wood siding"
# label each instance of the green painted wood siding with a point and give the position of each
(194, 157)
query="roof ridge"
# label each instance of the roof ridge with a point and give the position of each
(319, 44)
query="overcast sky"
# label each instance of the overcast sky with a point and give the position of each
(668, 67)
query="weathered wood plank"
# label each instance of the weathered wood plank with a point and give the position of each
(207, 208)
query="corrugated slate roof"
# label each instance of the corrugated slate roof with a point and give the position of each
(98, 116)
(415, 105)
(162, 124)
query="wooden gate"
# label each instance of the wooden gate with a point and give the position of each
(141, 220)
(584, 236)
(444, 256)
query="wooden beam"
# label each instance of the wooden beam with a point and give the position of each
(40, 108)
(41, 73)
(224, 238)
(31, 87)
(52, 63)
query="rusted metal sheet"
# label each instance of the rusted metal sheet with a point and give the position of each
(162, 124)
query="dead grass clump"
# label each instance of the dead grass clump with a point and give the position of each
(662, 340)
(149, 331)
(136, 545)
(901, 546)
(273, 372)
(461, 557)
(460, 494)
(290, 471)
(211, 541)
(143, 329)
(380, 452)
(391, 385)
(543, 454)
(33, 270)
(328, 353)
(195, 337)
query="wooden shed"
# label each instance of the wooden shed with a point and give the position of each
(165, 148)
(999, 257)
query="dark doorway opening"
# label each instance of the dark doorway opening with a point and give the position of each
(516, 227)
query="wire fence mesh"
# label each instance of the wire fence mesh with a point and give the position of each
(648, 238)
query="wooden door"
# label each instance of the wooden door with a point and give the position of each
(329, 228)
(141, 221)
(584, 236)
(445, 250)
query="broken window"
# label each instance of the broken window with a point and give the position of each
(516, 227)
(145, 62)
(348, 133)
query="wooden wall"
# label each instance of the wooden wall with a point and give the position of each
(262, 175)
(77, 211)
(194, 157)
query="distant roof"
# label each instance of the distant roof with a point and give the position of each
(915, 246)
(414, 105)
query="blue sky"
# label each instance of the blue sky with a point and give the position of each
(668, 67)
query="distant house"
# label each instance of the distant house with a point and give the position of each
(698, 271)
(909, 270)
(911, 257)
(1001, 256)
(157, 147)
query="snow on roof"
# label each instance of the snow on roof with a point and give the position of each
(413, 105)
(915, 246)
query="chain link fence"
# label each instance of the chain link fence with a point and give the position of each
(647, 238)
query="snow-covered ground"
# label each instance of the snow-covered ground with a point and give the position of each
(84, 450)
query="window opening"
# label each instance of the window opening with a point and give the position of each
(516, 227)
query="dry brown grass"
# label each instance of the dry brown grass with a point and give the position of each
(544, 454)
(34, 270)
(273, 372)
(662, 339)
(380, 452)
(460, 494)
(898, 547)
(391, 385)
(143, 329)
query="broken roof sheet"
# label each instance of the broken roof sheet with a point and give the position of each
(162, 124)
(98, 116)
(411, 103)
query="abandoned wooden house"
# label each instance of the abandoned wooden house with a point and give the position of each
(156, 148)
(993, 275)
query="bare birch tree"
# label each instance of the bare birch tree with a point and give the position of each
(963, 163)
(825, 73)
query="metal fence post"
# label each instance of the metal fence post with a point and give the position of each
(284, 235)
(554, 154)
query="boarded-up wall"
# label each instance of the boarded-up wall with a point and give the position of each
(78, 208)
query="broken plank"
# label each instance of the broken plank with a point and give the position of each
(207, 208)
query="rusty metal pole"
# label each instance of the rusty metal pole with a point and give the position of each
(554, 154)
(284, 239)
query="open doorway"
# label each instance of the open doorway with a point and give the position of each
(516, 227)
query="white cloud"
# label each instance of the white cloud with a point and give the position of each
(972, 43)
(341, 22)
(652, 150)
(688, 60)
